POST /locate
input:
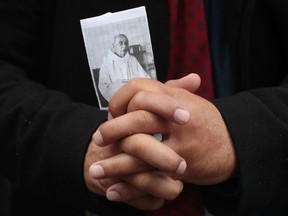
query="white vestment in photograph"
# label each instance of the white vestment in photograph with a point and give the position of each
(116, 71)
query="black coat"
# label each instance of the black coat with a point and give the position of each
(48, 106)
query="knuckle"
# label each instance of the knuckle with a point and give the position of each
(134, 143)
(134, 83)
(137, 100)
(144, 119)
(146, 183)
(112, 168)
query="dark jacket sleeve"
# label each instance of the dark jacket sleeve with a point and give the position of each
(257, 119)
(258, 125)
(47, 130)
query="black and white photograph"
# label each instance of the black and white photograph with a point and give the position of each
(118, 48)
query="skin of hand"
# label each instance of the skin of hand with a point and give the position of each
(148, 106)
(125, 187)
(132, 186)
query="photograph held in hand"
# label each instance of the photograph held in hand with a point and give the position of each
(118, 48)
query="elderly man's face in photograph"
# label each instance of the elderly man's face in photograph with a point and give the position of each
(120, 45)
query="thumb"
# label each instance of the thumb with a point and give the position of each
(190, 82)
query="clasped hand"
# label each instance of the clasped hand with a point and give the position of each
(134, 167)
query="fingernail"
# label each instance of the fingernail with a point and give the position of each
(113, 196)
(181, 116)
(182, 167)
(181, 185)
(96, 171)
(98, 139)
(109, 116)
